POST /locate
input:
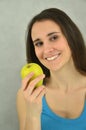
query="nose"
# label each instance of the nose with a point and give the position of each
(48, 48)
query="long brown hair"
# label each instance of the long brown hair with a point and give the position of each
(71, 33)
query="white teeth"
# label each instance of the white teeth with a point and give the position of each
(52, 58)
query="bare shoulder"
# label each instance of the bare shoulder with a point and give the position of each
(85, 87)
(21, 109)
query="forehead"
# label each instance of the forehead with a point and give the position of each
(43, 28)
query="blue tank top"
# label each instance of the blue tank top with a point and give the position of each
(51, 121)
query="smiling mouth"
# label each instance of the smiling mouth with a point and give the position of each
(53, 57)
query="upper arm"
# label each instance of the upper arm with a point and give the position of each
(21, 109)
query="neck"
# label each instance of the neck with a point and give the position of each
(67, 78)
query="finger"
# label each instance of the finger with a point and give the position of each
(26, 80)
(40, 96)
(32, 84)
(36, 93)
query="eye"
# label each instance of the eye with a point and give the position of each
(53, 38)
(38, 44)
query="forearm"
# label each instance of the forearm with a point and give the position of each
(33, 123)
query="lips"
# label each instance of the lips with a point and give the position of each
(53, 57)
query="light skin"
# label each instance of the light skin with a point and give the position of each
(65, 87)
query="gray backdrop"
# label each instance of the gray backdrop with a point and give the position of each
(14, 17)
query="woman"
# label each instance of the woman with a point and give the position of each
(56, 44)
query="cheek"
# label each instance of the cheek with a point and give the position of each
(63, 46)
(60, 46)
(38, 54)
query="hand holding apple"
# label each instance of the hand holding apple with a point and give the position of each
(32, 67)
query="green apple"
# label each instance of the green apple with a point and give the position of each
(32, 67)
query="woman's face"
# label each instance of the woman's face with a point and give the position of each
(51, 46)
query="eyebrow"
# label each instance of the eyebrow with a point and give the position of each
(49, 34)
